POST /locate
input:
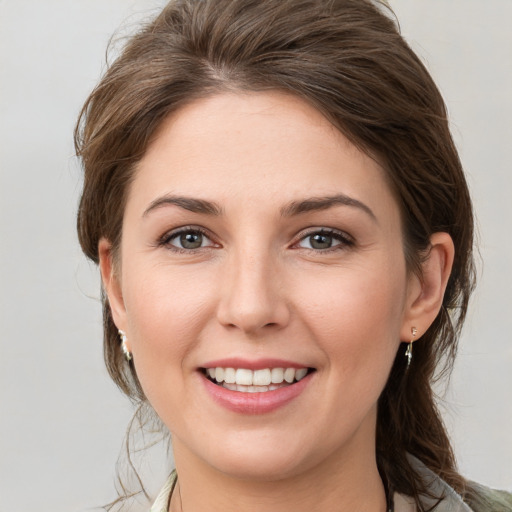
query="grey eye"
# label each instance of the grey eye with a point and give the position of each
(191, 240)
(187, 239)
(323, 240)
(320, 241)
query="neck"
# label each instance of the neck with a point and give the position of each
(348, 484)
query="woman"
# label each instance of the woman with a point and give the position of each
(284, 234)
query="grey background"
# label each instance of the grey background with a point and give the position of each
(61, 420)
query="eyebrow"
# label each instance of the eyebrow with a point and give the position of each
(323, 203)
(293, 208)
(187, 203)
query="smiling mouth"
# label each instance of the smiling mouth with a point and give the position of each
(255, 381)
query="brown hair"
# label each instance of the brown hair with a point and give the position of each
(348, 59)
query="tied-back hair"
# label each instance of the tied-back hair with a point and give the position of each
(348, 60)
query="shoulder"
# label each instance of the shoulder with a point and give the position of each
(484, 499)
(477, 497)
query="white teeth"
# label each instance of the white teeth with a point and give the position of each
(300, 374)
(252, 389)
(277, 375)
(266, 379)
(289, 375)
(261, 377)
(230, 376)
(243, 377)
(219, 374)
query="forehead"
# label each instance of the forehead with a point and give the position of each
(254, 147)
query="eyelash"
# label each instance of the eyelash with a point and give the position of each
(165, 240)
(345, 240)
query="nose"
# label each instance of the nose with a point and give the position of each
(252, 294)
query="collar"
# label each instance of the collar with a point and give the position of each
(451, 502)
(161, 503)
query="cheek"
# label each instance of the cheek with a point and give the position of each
(167, 311)
(356, 316)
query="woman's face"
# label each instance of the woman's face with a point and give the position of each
(257, 238)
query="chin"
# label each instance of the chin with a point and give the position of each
(265, 459)
(260, 468)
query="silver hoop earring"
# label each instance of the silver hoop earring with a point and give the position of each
(408, 352)
(124, 347)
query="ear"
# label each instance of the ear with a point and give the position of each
(111, 283)
(426, 292)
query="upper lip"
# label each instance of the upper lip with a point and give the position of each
(254, 364)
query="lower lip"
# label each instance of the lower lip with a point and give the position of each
(255, 403)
